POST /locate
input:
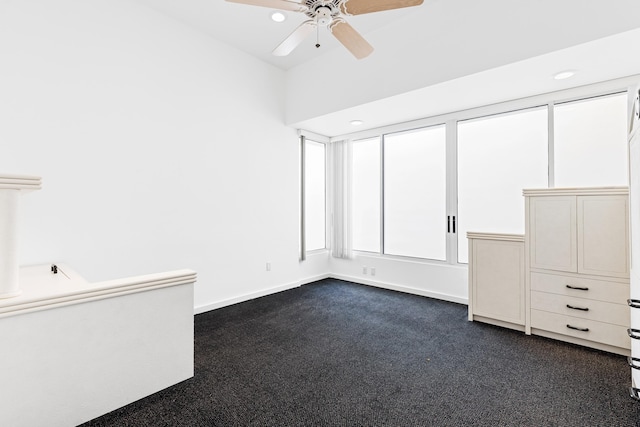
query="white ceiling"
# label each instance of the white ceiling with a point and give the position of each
(598, 38)
(601, 60)
(250, 28)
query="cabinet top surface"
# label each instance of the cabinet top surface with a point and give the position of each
(495, 236)
(581, 191)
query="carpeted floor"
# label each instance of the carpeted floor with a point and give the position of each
(335, 353)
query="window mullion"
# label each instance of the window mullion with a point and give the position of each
(382, 212)
(551, 140)
(452, 189)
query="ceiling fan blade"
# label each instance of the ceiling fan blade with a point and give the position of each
(358, 7)
(275, 4)
(351, 39)
(294, 39)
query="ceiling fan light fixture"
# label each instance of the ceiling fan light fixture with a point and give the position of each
(278, 16)
(564, 74)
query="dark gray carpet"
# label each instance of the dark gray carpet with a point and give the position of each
(335, 353)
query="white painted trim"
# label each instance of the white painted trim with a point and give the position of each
(586, 191)
(400, 288)
(46, 298)
(316, 137)
(20, 182)
(390, 286)
(317, 278)
(496, 236)
(582, 342)
(247, 297)
(496, 322)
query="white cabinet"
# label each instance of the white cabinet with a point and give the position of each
(567, 278)
(585, 234)
(577, 244)
(496, 279)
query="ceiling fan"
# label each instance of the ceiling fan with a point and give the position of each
(330, 14)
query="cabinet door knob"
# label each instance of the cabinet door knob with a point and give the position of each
(577, 328)
(633, 333)
(573, 307)
(578, 288)
(634, 303)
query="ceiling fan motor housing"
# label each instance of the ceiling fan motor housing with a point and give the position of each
(323, 12)
(323, 16)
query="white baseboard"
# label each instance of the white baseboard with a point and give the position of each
(400, 288)
(307, 280)
(312, 279)
(247, 297)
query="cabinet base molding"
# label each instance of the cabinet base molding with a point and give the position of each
(578, 341)
(496, 322)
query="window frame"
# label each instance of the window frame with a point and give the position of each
(303, 138)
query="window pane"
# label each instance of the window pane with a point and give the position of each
(415, 193)
(314, 195)
(498, 157)
(365, 195)
(590, 142)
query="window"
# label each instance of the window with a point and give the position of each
(315, 195)
(498, 156)
(403, 184)
(365, 200)
(415, 193)
(590, 142)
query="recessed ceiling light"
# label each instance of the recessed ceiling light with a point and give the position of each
(356, 122)
(278, 17)
(564, 75)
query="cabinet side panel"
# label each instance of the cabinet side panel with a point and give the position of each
(498, 277)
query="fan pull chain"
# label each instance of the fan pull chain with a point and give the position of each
(317, 36)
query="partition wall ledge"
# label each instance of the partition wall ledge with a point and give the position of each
(42, 289)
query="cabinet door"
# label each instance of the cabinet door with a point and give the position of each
(603, 230)
(497, 280)
(552, 233)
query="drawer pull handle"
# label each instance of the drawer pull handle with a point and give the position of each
(634, 303)
(631, 360)
(634, 392)
(578, 288)
(573, 307)
(580, 329)
(633, 333)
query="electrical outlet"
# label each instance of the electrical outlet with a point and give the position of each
(373, 271)
(364, 270)
(268, 266)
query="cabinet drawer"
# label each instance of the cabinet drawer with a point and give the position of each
(582, 308)
(601, 290)
(605, 333)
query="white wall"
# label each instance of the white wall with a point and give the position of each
(430, 279)
(159, 148)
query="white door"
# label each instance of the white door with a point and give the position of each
(603, 230)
